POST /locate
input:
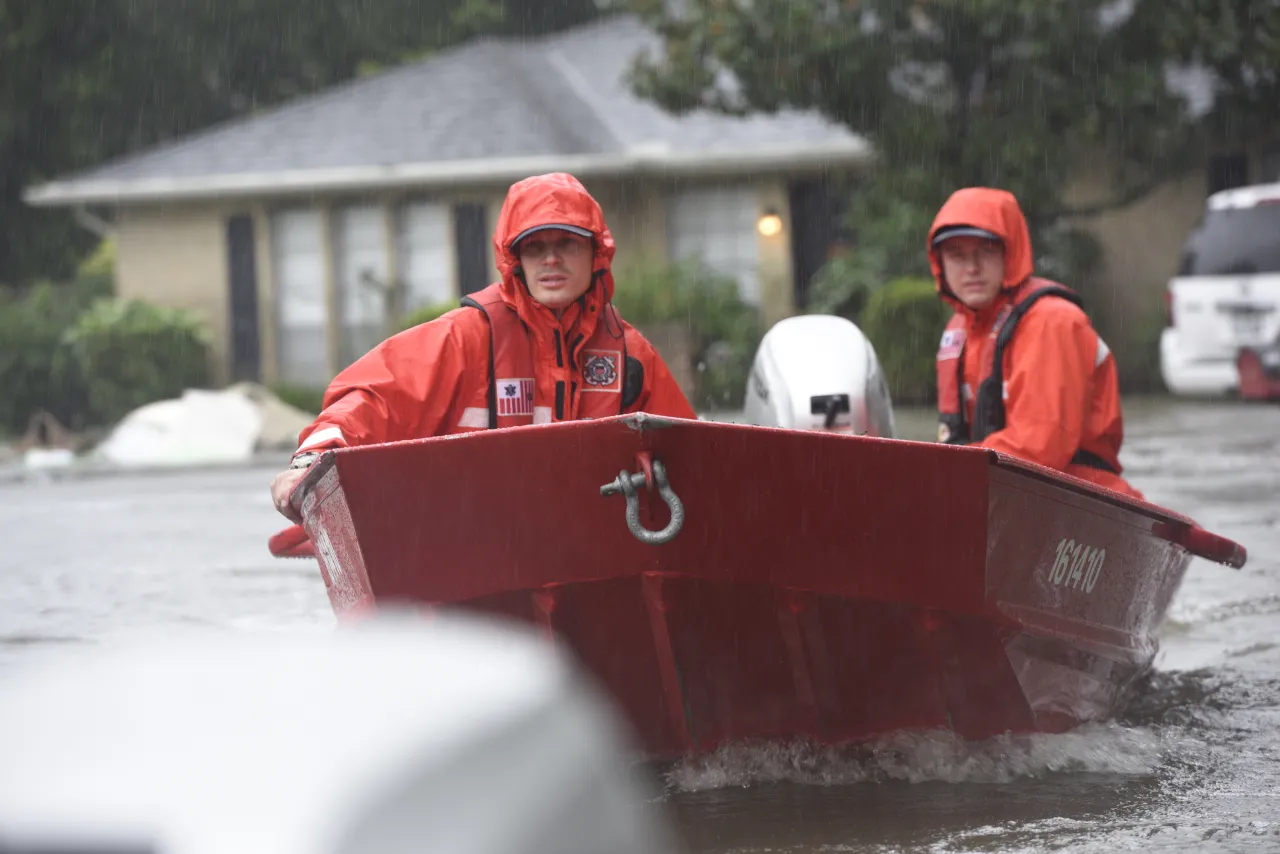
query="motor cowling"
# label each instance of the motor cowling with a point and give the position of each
(818, 372)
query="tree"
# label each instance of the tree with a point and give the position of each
(951, 93)
(47, 52)
(1237, 42)
(84, 81)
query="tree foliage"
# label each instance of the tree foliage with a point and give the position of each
(951, 93)
(1237, 42)
(83, 81)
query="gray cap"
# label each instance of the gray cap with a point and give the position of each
(963, 231)
(572, 229)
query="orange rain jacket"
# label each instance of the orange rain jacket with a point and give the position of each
(1055, 396)
(443, 377)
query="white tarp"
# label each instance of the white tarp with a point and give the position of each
(205, 428)
(200, 427)
(281, 423)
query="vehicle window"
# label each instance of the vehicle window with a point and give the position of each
(1236, 241)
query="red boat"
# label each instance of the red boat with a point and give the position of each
(728, 582)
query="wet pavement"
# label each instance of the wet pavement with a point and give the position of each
(1194, 764)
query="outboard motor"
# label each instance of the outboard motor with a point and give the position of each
(818, 372)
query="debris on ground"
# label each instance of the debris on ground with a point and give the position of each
(47, 444)
(205, 427)
(281, 423)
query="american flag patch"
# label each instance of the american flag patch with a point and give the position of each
(951, 345)
(515, 397)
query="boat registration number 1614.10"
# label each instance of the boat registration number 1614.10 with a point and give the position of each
(1077, 565)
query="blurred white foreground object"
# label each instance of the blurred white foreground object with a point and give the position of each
(396, 735)
(818, 372)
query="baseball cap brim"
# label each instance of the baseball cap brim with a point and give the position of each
(964, 231)
(572, 229)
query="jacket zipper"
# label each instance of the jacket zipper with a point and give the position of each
(573, 351)
(559, 383)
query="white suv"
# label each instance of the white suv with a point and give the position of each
(1226, 295)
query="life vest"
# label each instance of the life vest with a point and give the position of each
(988, 405)
(612, 379)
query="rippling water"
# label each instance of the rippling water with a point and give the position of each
(1193, 764)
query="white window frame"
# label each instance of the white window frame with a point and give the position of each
(717, 226)
(361, 268)
(301, 297)
(426, 266)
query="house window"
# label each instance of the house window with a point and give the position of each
(360, 260)
(301, 356)
(426, 262)
(717, 226)
(471, 234)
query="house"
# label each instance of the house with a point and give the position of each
(300, 234)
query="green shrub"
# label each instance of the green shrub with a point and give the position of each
(890, 221)
(904, 321)
(425, 314)
(307, 399)
(843, 284)
(725, 329)
(129, 353)
(95, 277)
(32, 325)
(1138, 355)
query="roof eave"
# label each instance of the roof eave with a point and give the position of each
(442, 174)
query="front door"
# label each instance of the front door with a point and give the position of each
(242, 272)
(471, 235)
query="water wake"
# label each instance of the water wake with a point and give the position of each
(1105, 748)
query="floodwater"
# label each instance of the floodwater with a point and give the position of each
(1192, 765)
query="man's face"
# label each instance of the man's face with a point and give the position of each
(974, 268)
(557, 266)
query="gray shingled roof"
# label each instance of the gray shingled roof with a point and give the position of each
(490, 109)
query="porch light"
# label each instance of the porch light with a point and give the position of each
(770, 224)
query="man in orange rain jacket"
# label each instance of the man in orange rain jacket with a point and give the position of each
(1020, 368)
(544, 344)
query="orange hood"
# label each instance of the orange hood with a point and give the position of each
(557, 198)
(996, 211)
